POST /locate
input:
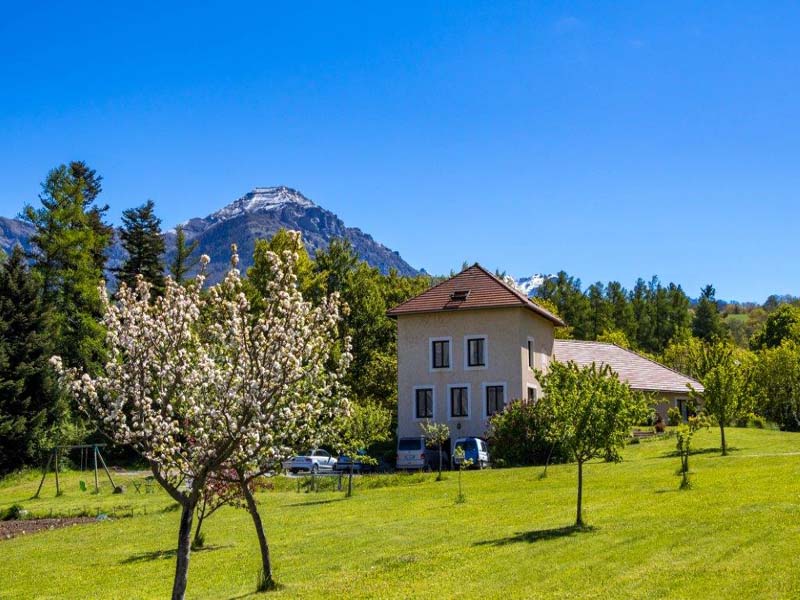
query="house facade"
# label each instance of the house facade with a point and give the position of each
(470, 345)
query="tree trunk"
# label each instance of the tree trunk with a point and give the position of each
(266, 582)
(196, 540)
(350, 480)
(184, 550)
(722, 435)
(439, 477)
(579, 518)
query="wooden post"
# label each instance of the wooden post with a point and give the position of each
(96, 484)
(46, 469)
(58, 488)
(103, 462)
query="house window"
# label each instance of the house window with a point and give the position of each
(495, 399)
(531, 394)
(476, 356)
(440, 353)
(531, 354)
(424, 403)
(459, 402)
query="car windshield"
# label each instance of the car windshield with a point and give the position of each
(409, 444)
(467, 445)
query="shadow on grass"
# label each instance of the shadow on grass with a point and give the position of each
(538, 535)
(316, 502)
(256, 594)
(164, 554)
(675, 454)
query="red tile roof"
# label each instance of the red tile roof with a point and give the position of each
(473, 288)
(641, 373)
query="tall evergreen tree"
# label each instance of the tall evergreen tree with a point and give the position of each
(69, 245)
(142, 240)
(599, 311)
(707, 324)
(29, 405)
(183, 261)
(621, 309)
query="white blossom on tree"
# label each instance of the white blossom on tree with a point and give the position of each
(195, 381)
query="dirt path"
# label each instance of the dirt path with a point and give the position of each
(10, 529)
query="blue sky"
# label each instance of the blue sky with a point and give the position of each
(612, 140)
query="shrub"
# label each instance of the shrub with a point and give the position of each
(517, 437)
(674, 417)
(12, 513)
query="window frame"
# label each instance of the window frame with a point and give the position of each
(535, 390)
(419, 388)
(531, 347)
(493, 384)
(467, 340)
(450, 388)
(431, 354)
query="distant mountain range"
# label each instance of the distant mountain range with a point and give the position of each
(258, 214)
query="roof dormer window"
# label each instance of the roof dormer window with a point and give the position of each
(459, 295)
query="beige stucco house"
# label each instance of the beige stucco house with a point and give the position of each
(468, 346)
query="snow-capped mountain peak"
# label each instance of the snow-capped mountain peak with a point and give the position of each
(529, 285)
(262, 199)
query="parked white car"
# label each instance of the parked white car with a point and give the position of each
(314, 462)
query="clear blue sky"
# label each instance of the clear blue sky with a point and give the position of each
(612, 140)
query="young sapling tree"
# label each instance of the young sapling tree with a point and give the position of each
(436, 434)
(591, 413)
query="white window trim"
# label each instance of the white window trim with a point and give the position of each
(414, 402)
(530, 357)
(535, 392)
(450, 386)
(431, 369)
(486, 384)
(477, 336)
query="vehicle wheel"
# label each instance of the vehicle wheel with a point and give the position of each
(315, 469)
(293, 471)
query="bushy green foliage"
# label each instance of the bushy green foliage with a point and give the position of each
(783, 324)
(518, 436)
(776, 379)
(590, 412)
(366, 425)
(674, 416)
(725, 373)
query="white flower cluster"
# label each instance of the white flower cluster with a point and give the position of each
(195, 380)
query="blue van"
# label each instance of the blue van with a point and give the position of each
(475, 449)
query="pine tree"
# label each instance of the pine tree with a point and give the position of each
(142, 240)
(621, 309)
(29, 405)
(600, 311)
(69, 245)
(707, 324)
(183, 262)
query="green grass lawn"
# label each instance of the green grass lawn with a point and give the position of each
(736, 534)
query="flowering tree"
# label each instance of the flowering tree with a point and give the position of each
(195, 382)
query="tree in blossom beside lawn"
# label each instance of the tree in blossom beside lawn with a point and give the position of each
(196, 382)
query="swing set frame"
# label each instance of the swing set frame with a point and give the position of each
(56, 452)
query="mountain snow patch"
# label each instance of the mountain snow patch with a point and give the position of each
(262, 199)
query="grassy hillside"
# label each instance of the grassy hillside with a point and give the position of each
(736, 534)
